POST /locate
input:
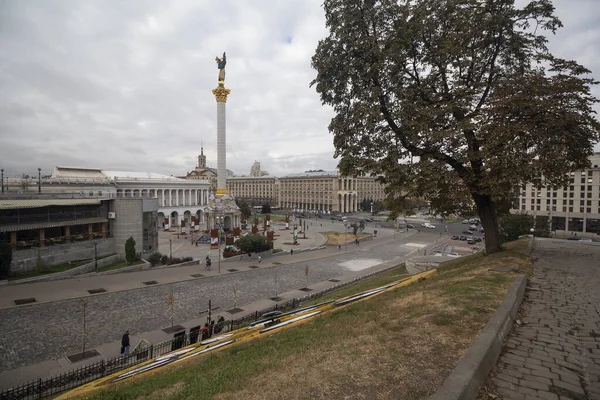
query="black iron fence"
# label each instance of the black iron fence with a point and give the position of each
(41, 388)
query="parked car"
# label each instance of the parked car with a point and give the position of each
(477, 239)
(467, 232)
(481, 229)
(474, 227)
(470, 241)
(455, 237)
(462, 237)
(466, 221)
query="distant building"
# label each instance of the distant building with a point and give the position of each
(202, 172)
(571, 209)
(255, 169)
(255, 190)
(178, 199)
(327, 191)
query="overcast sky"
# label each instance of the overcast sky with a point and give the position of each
(126, 85)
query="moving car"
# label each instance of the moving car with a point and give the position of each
(467, 232)
(428, 225)
(410, 226)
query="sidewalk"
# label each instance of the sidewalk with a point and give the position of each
(73, 288)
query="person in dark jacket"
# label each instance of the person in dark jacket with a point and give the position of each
(125, 343)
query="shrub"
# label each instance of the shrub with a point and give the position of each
(164, 259)
(514, 225)
(155, 258)
(254, 244)
(130, 255)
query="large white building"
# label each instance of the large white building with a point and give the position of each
(572, 209)
(179, 199)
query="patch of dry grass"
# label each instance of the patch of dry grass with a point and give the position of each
(399, 345)
(336, 238)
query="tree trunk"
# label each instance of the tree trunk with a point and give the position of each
(486, 208)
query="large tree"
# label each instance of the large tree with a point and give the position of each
(456, 101)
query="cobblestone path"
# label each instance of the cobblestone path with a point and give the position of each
(555, 352)
(52, 330)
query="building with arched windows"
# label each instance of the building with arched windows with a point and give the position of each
(178, 199)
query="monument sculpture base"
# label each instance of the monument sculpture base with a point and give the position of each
(222, 212)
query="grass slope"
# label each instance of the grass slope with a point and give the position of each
(399, 345)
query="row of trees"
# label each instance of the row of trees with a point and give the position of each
(455, 101)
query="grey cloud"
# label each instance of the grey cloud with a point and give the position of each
(127, 85)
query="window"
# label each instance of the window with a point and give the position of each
(589, 210)
(570, 209)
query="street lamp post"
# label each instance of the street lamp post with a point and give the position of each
(171, 249)
(2, 180)
(96, 256)
(371, 208)
(345, 235)
(39, 180)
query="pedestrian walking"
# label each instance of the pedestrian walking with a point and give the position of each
(356, 241)
(259, 259)
(249, 256)
(207, 263)
(125, 343)
(339, 247)
(291, 252)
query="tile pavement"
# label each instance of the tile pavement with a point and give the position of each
(555, 352)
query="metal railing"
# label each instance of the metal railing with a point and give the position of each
(41, 388)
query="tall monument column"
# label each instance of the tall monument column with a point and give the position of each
(223, 214)
(221, 96)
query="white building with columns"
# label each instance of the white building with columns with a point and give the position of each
(178, 199)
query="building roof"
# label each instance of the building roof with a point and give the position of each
(138, 175)
(95, 173)
(310, 174)
(36, 203)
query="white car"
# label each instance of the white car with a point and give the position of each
(473, 227)
(428, 225)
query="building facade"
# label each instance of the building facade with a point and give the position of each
(178, 199)
(46, 229)
(255, 190)
(572, 209)
(327, 191)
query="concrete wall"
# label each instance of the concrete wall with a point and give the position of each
(24, 260)
(128, 223)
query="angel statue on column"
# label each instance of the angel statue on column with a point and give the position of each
(221, 65)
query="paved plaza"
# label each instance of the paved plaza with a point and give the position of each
(555, 352)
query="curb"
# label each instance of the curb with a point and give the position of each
(470, 373)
